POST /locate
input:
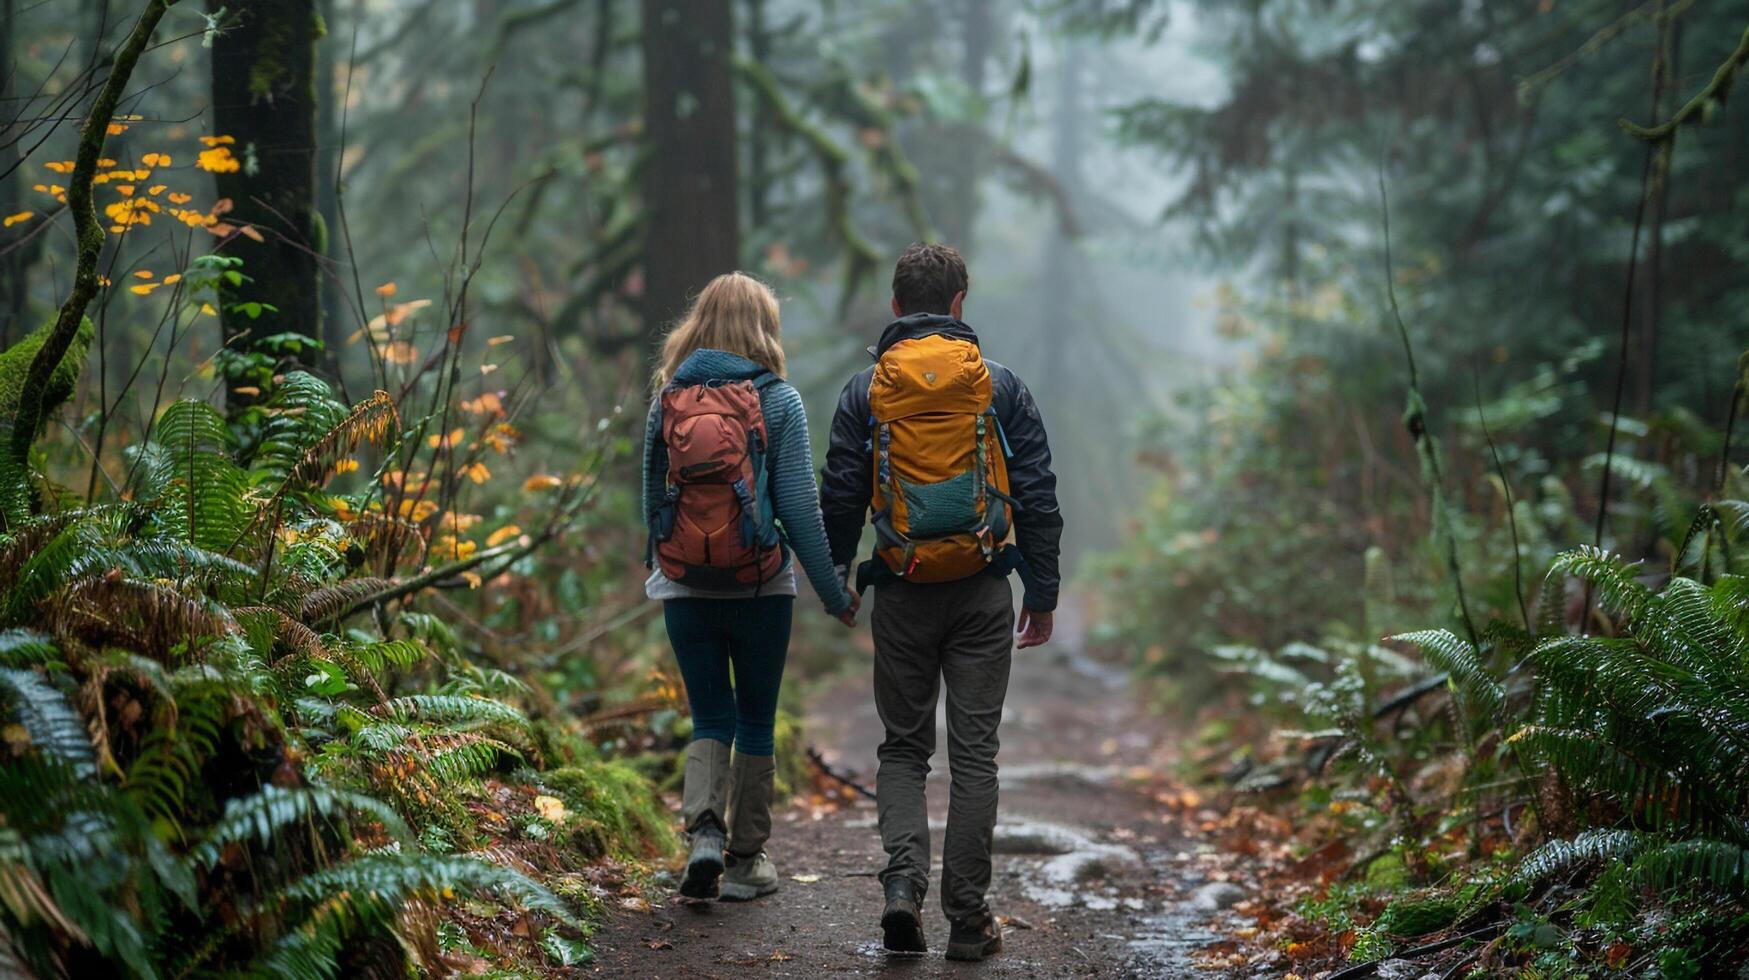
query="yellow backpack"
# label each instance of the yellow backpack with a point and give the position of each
(941, 501)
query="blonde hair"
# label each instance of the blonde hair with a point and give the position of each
(733, 312)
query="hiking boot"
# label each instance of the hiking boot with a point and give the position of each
(752, 780)
(704, 865)
(704, 804)
(902, 920)
(974, 938)
(748, 878)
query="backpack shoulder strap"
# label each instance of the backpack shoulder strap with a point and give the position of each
(764, 380)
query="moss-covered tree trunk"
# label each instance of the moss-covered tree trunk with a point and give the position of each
(690, 186)
(264, 96)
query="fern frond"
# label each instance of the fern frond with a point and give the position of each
(301, 410)
(325, 604)
(1618, 588)
(259, 818)
(143, 616)
(1461, 662)
(372, 420)
(1589, 847)
(1714, 865)
(26, 648)
(449, 710)
(52, 724)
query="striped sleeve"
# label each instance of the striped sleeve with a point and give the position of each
(795, 496)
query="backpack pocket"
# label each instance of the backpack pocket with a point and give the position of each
(937, 509)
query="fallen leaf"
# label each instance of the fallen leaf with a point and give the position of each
(634, 904)
(805, 879)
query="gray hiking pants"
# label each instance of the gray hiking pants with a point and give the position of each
(962, 633)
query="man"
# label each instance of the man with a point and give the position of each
(956, 506)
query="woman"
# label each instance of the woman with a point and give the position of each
(726, 460)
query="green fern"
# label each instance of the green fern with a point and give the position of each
(449, 710)
(52, 724)
(260, 818)
(1460, 661)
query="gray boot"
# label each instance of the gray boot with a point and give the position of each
(750, 872)
(704, 799)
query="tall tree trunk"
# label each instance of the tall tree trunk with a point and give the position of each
(959, 209)
(264, 96)
(758, 152)
(690, 183)
(1646, 369)
(1061, 274)
(329, 91)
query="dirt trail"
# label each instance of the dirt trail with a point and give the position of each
(1092, 874)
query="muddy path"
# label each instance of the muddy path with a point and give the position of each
(1095, 874)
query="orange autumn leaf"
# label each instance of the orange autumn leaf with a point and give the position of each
(156, 159)
(502, 535)
(249, 231)
(400, 352)
(541, 481)
(455, 437)
(218, 140)
(346, 466)
(156, 189)
(116, 129)
(143, 274)
(177, 197)
(60, 166)
(487, 404)
(386, 290)
(477, 472)
(125, 190)
(13, 219)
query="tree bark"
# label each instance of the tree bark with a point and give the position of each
(690, 182)
(328, 95)
(264, 96)
(959, 209)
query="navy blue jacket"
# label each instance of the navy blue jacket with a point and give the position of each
(847, 484)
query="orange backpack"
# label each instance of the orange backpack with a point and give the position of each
(715, 529)
(941, 503)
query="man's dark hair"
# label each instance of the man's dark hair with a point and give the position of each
(927, 279)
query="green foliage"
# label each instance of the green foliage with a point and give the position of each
(191, 722)
(15, 366)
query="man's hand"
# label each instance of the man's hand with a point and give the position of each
(1034, 629)
(848, 616)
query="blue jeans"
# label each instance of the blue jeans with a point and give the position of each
(710, 635)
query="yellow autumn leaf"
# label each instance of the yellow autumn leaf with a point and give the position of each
(454, 437)
(487, 404)
(116, 129)
(218, 140)
(143, 273)
(105, 162)
(156, 189)
(156, 159)
(125, 190)
(472, 578)
(207, 308)
(502, 535)
(13, 219)
(144, 289)
(177, 197)
(60, 166)
(541, 481)
(218, 160)
(173, 278)
(477, 472)
(500, 339)
(551, 808)
(346, 466)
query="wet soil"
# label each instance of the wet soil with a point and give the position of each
(1094, 875)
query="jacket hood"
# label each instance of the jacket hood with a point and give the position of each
(706, 364)
(922, 325)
